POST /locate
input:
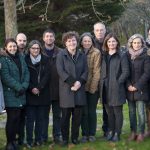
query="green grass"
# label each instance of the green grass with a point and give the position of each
(100, 144)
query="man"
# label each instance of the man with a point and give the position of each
(99, 35)
(21, 40)
(51, 51)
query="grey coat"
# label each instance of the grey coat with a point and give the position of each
(77, 69)
(114, 78)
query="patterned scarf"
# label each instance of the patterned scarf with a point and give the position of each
(35, 60)
(135, 54)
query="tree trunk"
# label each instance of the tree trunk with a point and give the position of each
(10, 18)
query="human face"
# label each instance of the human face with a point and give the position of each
(137, 44)
(99, 31)
(86, 42)
(112, 44)
(49, 38)
(21, 40)
(11, 48)
(35, 50)
(71, 44)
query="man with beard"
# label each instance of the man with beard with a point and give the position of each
(99, 35)
(21, 40)
(51, 50)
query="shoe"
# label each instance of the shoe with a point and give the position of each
(140, 138)
(64, 143)
(37, 143)
(9, 146)
(75, 141)
(147, 134)
(92, 138)
(109, 136)
(84, 139)
(58, 139)
(116, 137)
(16, 147)
(132, 137)
(29, 145)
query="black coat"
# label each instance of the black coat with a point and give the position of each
(139, 76)
(54, 78)
(114, 78)
(39, 78)
(77, 69)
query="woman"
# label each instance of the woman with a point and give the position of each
(38, 92)
(89, 117)
(15, 79)
(114, 72)
(72, 70)
(137, 85)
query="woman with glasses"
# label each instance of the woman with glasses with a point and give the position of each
(37, 93)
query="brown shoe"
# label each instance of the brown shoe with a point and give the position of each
(132, 137)
(140, 138)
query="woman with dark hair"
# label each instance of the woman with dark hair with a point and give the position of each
(114, 72)
(15, 79)
(37, 93)
(89, 117)
(137, 84)
(72, 71)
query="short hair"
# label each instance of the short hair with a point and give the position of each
(69, 35)
(110, 35)
(101, 23)
(48, 31)
(18, 34)
(7, 41)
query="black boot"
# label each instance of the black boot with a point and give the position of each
(9, 146)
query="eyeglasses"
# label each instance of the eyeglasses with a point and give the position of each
(34, 48)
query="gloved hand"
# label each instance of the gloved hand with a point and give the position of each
(20, 93)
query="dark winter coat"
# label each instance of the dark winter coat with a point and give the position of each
(115, 76)
(77, 69)
(139, 76)
(54, 78)
(13, 81)
(39, 78)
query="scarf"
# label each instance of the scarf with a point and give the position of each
(135, 54)
(35, 60)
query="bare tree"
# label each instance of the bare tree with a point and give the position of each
(10, 18)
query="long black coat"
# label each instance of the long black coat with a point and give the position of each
(139, 76)
(66, 67)
(54, 78)
(39, 78)
(118, 73)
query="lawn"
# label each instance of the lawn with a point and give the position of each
(100, 144)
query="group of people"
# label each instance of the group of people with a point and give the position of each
(71, 81)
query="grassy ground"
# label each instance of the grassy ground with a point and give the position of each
(100, 144)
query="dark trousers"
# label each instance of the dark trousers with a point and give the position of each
(56, 110)
(115, 118)
(21, 129)
(34, 123)
(105, 120)
(89, 116)
(12, 123)
(76, 113)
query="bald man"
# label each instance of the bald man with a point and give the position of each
(21, 40)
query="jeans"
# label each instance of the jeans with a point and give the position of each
(115, 118)
(34, 123)
(139, 107)
(89, 116)
(56, 110)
